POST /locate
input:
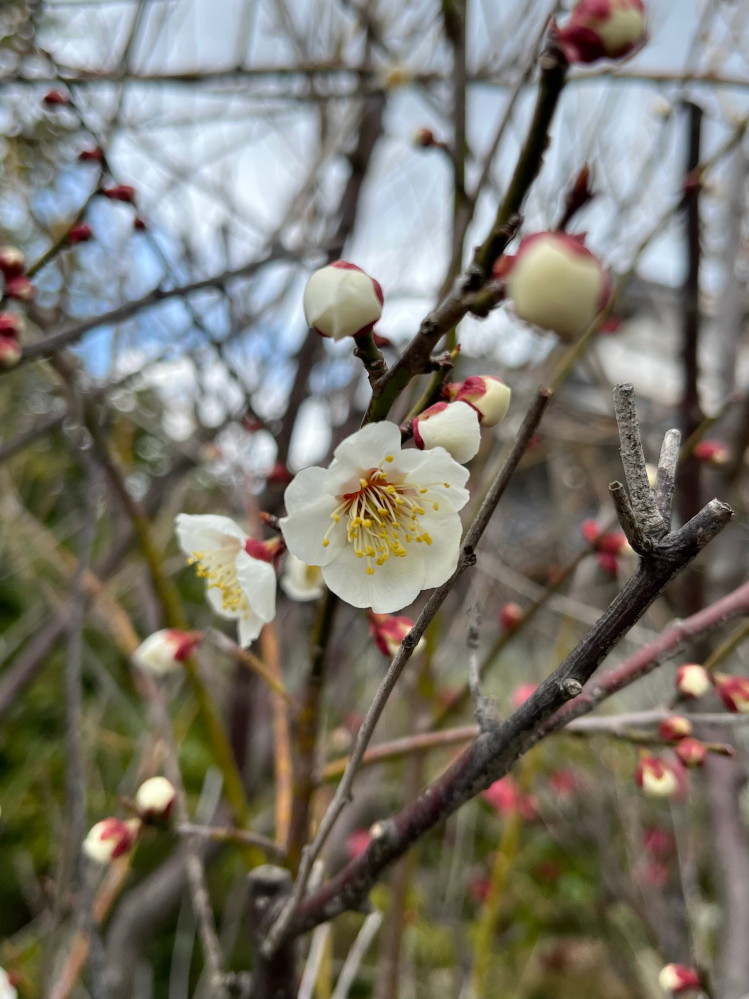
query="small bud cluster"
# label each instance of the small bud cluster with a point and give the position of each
(608, 546)
(678, 978)
(16, 286)
(481, 400)
(674, 727)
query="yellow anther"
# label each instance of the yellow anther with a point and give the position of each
(370, 570)
(422, 491)
(427, 539)
(409, 537)
(360, 554)
(421, 511)
(326, 542)
(446, 485)
(335, 517)
(390, 489)
(436, 506)
(389, 458)
(363, 483)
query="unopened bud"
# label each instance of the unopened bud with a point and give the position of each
(10, 351)
(590, 531)
(7, 985)
(674, 727)
(734, 692)
(91, 156)
(301, 581)
(154, 799)
(691, 752)
(279, 475)
(138, 224)
(614, 543)
(121, 192)
(692, 680)
(510, 616)
(20, 288)
(521, 694)
(110, 838)
(80, 234)
(424, 138)
(678, 978)
(11, 324)
(489, 396)
(389, 631)
(164, 651)
(712, 453)
(12, 261)
(655, 777)
(453, 426)
(555, 282)
(608, 563)
(603, 29)
(55, 98)
(341, 300)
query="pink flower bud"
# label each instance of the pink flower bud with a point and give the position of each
(692, 680)
(164, 651)
(479, 889)
(563, 784)
(11, 324)
(357, 842)
(675, 727)
(12, 261)
(603, 29)
(10, 351)
(55, 98)
(712, 453)
(80, 234)
(20, 288)
(506, 798)
(678, 978)
(608, 563)
(110, 838)
(590, 531)
(121, 192)
(424, 138)
(388, 632)
(555, 282)
(691, 752)
(154, 799)
(489, 396)
(658, 842)
(656, 778)
(522, 693)
(138, 224)
(613, 543)
(341, 300)
(453, 426)
(510, 616)
(734, 692)
(655, 874)
(91, 156)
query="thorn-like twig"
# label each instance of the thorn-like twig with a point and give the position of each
(626, 517)
(649, 520)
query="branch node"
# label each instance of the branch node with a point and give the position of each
(572, 688)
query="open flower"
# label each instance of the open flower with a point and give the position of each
(110, 838)
(164, 651)
(489, 396)
(340, 300)
(656, 778)
(555, 282)
(155, 799)
(603, 29)
(389, 631)
(301, 581)
(240, 579)
(692, 680)
(734, 692)
(381, 523)
(453, 426)
(678, 978)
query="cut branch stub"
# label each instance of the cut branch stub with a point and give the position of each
(274, 977)
(651, 526)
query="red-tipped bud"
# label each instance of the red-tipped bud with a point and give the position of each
(11, 324)
(91, 156)
(563, 784)
(522, 693)
(8, 983)
(734, 692)
(603, 29)
(590, 531)
(10, 351)
(341, 300)
(121, 192)
(608, 563)
(12, 261)
(357, 842)
(658, 842)
(139, 225)
(424, 138)
(479, 889)
(265, 551)
(453, 426)
(555, 282)
(489, 396)
(109, 839)
(692, 680)
(155, 799)
(656, 778)
(613, 543)
(510, 616)
(80, 234)
(691, 752)
(388, 632)
(506, 798)
(678, 978)
(675, 727)
(56, 99)
(712, 453)
(164, 651)
(20, 288)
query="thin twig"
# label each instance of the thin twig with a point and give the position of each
(357, 954)
(270, 848)
(250, 660)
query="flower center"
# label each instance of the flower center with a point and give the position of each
(219, 567)
(383, 516)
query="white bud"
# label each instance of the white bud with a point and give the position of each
(341, 300)
(556, 283)
(692, 680)
(301, 581)
(109, 839)
(155, 798)
(164, 651)
(453, 426)
(489, 396)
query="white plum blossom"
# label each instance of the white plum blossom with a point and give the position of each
(453, 426)
(240, 578)
(381, 523)
(301, 581)
(340, 300)
(164, 651)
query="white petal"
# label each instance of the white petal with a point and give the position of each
(441, 557)
(393, 586)
(199, 532)
(433, 469)
(304, 532)
(215, 598)
(300, 581)
(369, 446)
(258, 581)
(249, 627)
(306, 487)
(456, 429)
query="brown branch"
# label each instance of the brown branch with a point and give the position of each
(222, 835)
(10, 447)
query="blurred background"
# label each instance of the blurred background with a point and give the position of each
(251, 142)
